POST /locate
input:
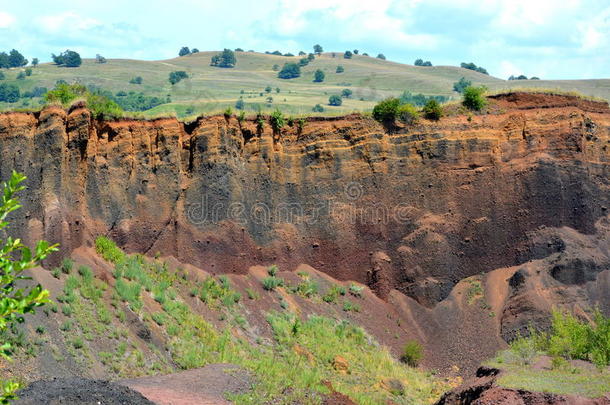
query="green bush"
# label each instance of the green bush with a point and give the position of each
(408, 113)
(271, 283)
(289, 71)
(272, 270)
(86, 273)
(67, 265)
(109, 250)
(129, 292)
(571, 338)
(317, 108)
(356, 290)
(318, 76)
(67, 310)
(231, 298)
(412, 353)
(473, 98)
(461, 85)
(524, 348)
(159, 318)
(340, 69)
(568, 338)
(307, 288)
(346, 93)
(78, 343)
(386, 111)
(252, 294)
(177, 76)
(433, 110)
(225, 59)
(350, 306)
(228, 113)
(68, 58)
(276, 120)
(335, 100)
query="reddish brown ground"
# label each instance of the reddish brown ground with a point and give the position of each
(515, 199)
(203, 386)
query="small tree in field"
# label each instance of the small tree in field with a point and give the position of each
(461, 85)
(317, 49)
(340, 69)
(290, 71)
(335, 100)
(15, 258)
(386, 111)
(433, 110)
(318, 76)
(473, 98)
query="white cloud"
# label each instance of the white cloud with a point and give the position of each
(593, 34)
(6, 20)
(508, 68)
(67, 21)
(383, 21)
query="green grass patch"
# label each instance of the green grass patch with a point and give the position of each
(271, 283)
(109, 250)
(568, 338)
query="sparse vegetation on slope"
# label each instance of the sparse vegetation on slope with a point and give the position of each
(568, 339)
(278, 366)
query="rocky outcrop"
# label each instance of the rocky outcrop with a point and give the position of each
(417, 209)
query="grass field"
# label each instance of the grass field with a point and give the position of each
(212, 89)
(588, 382)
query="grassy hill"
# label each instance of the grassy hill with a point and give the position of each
(212, 89)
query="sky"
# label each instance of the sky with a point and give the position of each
(567, 39)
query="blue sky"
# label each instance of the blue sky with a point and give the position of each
(568, 39)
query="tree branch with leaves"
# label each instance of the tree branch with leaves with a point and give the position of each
(15, 258)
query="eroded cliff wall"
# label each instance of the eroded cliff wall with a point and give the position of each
(414, 208)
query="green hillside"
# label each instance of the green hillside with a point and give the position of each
(212, 89)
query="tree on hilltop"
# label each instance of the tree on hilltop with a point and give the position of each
(16, 59)
(225, 59)
(68, 59)
(184, 51)
(317, 49)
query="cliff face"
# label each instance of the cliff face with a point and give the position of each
(416, 209)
